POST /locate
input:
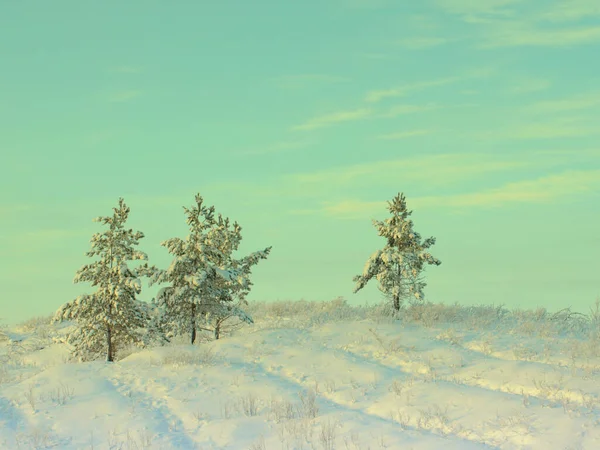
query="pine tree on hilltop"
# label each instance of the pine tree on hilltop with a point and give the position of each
(111, 316)
(227, 240)
(203, 278)
(398, 265)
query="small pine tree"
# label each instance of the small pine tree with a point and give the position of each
(397, 267)
(111, 316)
(203, 278)
(227, 240)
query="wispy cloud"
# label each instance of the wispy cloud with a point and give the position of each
(405, 134)
(347, 209)
(542, 190)
(514, 34)
(512, 23)
(534, 128)
(124, 96)
(572, 154)
(298, 81)
(277, 148)
(427, 172)
(455, 171)
(570, 10)
(334, 118)
(576, 102)
(487, 7)
(541, 131)
(431, 169)
(409, 88)
(551, 188)
(400, 91)
(397, 110)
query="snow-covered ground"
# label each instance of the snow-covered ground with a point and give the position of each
(318, 376)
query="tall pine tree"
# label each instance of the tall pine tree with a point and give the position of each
(203, 277)
(111, 316)
(398, 265)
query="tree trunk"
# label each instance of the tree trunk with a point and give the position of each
(397, 302)
(109, 349)
(193, 324)
(217, 329)
(109, 346)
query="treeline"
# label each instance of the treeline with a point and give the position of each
(206, 285)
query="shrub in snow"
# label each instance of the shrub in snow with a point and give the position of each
(204, 279)
(111, 316)
(398, 265)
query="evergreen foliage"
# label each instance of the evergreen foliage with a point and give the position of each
(399, 264)
(203, 277)
(111, 316)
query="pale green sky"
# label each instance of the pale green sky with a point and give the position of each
(300, 120)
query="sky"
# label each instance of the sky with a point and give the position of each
(300, 120)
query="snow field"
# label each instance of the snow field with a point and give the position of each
(320, 375)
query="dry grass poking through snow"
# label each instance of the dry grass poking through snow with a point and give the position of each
(318, 376)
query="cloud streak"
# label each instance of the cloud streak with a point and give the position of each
(508, 23)
(558, 128)
(544, 190)
(400, 91)
(398, 110)
(277, 148)
(516, 34)
(409, 88)
(571, 10)
(334, 118)
(404, 134)
(580, 101)
(468, 7)
(432, 170)
(545, 132)
(298, 81)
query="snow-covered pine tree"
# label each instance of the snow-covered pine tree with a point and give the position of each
(398, 265)
(203, 278)
(111, 316)
(233, 292)
(155, 331)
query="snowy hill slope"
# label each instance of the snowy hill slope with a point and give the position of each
(317, 376)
